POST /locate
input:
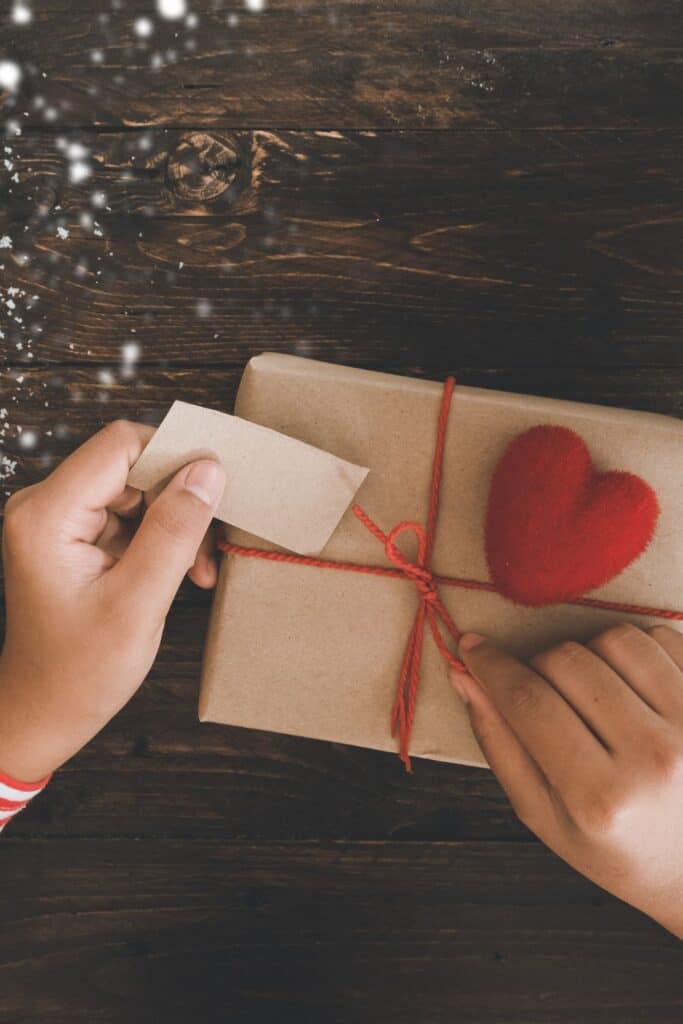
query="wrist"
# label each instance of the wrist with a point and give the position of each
(27, 751)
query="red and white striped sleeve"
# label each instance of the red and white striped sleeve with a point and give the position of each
(14, 796)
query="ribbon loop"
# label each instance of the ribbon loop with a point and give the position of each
(430, 609)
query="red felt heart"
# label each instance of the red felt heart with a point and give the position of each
(556, 527)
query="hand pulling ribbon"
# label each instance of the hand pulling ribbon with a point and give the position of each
(430, 610)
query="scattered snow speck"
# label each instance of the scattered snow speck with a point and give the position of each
(97, 56)
(254, 5)
(21, 13)
(5, 242)
(130, 352)
(203, 308)
(105, 377)
(79, 171)
(98, 199)
(62, 233)
(172, 8)
(28, 439)
(8, 467)
(76, 151)
(192, 21)
(143, 27)
(10, 75)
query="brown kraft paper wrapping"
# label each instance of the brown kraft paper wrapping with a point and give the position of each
(311, 652)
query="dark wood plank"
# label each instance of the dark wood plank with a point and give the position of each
(115, 931)
(60, 407)
(412, 250)
(393, 63)
(534, 260)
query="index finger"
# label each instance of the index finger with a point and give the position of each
(547, 726)
(96, 473)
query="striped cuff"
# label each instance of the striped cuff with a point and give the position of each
(14, 796)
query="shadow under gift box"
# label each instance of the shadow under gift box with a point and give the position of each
(312, 652)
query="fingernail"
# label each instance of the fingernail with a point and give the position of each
(458, 684)
(470, 640)
(206, 481)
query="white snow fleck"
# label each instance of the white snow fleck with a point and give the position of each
(21, 13)
(62, 232)
(10, 76)
(79, 171)
(76, 151)
(130, 352)
(27, 438)
(5, 242)
(254, 5)
(203, 308)
(8, 467)
(143, 27)
(172, 8)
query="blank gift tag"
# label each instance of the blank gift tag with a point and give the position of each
(277, 488)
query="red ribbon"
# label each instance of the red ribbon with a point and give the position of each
(430, 610)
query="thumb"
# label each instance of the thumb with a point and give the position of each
(166, 542)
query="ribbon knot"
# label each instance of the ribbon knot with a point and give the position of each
(430, 612)
(421, 576)
(427, 589)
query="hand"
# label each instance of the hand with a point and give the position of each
(87, 593)
(588, 745)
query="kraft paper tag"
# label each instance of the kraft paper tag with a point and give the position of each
(280, 489)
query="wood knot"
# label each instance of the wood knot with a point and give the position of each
(203, 167)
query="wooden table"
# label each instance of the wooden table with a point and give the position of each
(415, 186)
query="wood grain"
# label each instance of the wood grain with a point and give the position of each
(414, 251)
(63, 406)
(389, 64)
(114, 931)
(419, 187)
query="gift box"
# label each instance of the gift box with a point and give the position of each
(551, 520)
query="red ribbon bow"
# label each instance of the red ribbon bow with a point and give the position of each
(430, 610)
